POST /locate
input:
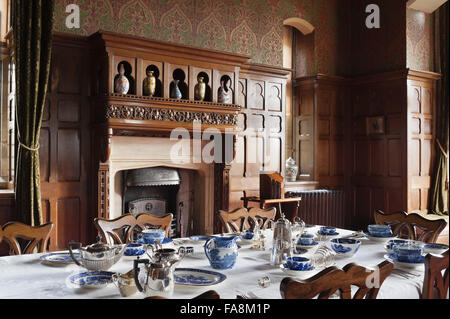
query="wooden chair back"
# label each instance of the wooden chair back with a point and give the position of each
(332, 279)
(36, 237)
(435, 285)
(241, 219)
(123, 229)
(412, 226)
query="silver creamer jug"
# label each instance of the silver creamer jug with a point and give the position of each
(281, 245)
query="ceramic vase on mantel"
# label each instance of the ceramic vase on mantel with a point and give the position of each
(175, 92)
(200, 89)
(225, 95)
(121, 83)
(291, 170)
(149, 85)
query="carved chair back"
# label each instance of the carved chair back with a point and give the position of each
(435, 285)
(332, 280)
(241, 219)
(34, 236)
(412, 226)
(123, 229)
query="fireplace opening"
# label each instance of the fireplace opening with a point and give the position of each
(158, 191)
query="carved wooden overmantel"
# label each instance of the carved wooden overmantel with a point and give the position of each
(134, 114)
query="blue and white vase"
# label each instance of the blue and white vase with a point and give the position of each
(176, 93)
(222, 252)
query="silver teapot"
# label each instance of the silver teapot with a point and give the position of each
(156, 277)
(98, 256)
(282, 241)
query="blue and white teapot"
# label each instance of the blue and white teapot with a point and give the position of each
(222, 252)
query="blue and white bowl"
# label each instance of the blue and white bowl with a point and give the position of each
(408, 253)
(297, 263)
(301, 274)
(306, 240)
(345, 247)
(327, 230)
(437, 249)
(391, 243)
(153, 234)
(247, 234)
(134, 249)
(376, 230)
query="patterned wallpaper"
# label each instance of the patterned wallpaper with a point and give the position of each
(420, 40)
(251, 27)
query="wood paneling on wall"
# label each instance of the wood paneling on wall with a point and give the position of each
(421, 134)
(260, 146)
(65, 144)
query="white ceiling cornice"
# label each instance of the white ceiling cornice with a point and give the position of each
(427, 6)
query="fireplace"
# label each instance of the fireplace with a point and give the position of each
(158, 191)
(143, 177)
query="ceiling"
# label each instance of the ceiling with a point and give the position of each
(427, 6)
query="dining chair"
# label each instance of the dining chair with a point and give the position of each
(412, 226)
(435, 285)
(332, 280)
(241, 219)
(123, 229)
(33, 236)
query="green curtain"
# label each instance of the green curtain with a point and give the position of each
(32, 29)
(439, 189)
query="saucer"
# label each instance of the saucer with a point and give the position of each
(379, 239)
(59, 259)
(393, 258)
(151, 241)
(315, 243)
(302, 274)
(91, 279)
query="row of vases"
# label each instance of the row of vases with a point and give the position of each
(122, 86)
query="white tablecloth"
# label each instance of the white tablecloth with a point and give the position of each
(26, 277)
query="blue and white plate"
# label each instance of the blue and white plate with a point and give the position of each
(328, 235)
(151, 241)
(302, 274)
(379, 239)
(197, 277)
(92, 279)
(437, 249)
(314, 244)
(59, 259)
(392, 258)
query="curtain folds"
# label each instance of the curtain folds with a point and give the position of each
(32, 28)
(439, 189)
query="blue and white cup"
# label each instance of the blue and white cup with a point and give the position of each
(306, 240)
(377, 230)
(408, 253)
(345, 246)
(150, 235)
(134, 249)
(297, 263)
(327, 230)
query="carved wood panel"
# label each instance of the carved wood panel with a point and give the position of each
(260, 146)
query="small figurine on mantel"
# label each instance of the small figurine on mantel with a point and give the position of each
(225, 95)
(121, 83)
(175, 92)
(149, 85)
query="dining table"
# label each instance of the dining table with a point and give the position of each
(27, 277)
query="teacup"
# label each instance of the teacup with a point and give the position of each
(134, 249)
(306, 240)
(409, 253)
(345, 246)
(150, 235)
(125, 283)
(327, 230)
(297, 263)
(247, 234)
(376, 230)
